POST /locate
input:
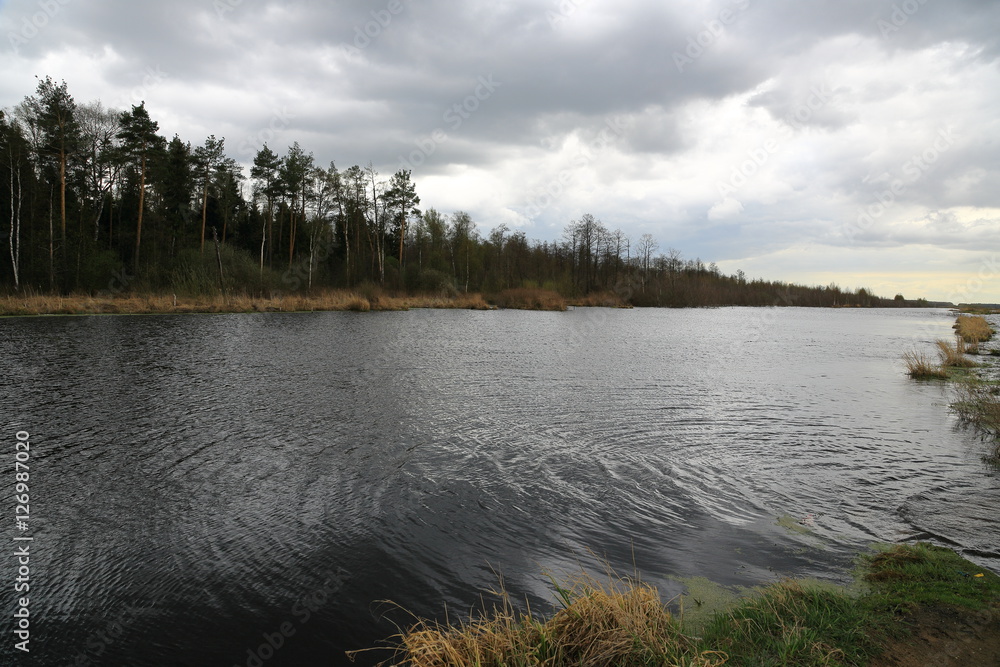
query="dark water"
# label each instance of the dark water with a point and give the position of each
(200, 484)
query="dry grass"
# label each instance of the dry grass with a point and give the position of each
(973, 329)
(470, 301)
(919, 366)
(82, 304)
(620, 622)
(606, 299)
(954, 357)
(525, 298)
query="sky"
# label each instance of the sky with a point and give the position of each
(812, 141)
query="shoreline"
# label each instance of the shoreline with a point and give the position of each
(364, 299)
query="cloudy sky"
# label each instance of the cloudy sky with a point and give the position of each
(853, 141)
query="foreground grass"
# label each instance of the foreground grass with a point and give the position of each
(622, 621)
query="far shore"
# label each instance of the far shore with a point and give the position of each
(361, 300)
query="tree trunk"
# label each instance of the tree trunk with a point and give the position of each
(402, 235)
(52, 246)
(15, 225)
(62, 197)
(263, 238)
(204, 212)
(218, 257)
(97, 218)
(291, 233)
(312, 252)
(142, 204)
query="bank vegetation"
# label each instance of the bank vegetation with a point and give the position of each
(623, 621)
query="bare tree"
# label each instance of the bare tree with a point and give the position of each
(647, 246)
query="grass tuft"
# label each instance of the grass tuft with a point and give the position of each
(920, 367)
(954, 357)
(618, 622)
(973, 329)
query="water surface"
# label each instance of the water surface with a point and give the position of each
(201, 483)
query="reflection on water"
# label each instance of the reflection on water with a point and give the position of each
(211, 490)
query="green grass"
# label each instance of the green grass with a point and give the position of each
(624, 622)
(793, 624)
(906, 576)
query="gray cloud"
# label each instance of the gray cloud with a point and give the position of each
(839, 95)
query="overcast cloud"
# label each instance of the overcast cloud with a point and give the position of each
(813, 141)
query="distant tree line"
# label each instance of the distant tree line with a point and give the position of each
(96, 201)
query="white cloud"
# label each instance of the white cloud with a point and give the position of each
(725, 209)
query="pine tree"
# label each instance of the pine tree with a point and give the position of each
(140, 141)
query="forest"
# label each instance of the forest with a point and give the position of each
(95, 201)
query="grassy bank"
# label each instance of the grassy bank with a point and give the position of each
(623, 621)
(362, 300)
(366, 298)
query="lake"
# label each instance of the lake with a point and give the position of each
(251, 489)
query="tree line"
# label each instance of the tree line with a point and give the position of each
(97, 201)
